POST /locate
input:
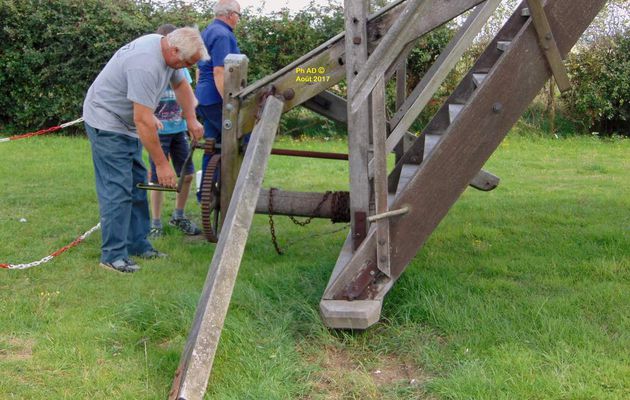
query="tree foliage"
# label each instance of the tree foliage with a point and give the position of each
(53, 49)
(600, 97)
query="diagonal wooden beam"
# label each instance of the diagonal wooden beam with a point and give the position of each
(331, 57)
(401, 33)
(430, 83)
(193, 373)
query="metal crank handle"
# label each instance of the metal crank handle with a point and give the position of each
(155, 186)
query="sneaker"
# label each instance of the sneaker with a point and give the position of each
(185, 225)
(125, 266)
(151, 254)
(155, 233)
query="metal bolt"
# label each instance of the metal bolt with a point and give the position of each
(356, 40)
(381, 242)
(229, 107)
(548, 36)
(288, 94)
(372, 273)
(227, 124)
(497, 108)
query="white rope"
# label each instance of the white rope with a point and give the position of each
(50, 257)
(67, 124)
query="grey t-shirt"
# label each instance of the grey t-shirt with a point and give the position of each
(137, 73)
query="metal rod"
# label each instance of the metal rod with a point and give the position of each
(309, 154)
(388, 214)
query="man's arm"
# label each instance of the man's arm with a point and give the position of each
(188, 102)
(147, 125)
(218, 79)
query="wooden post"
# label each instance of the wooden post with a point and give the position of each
(193, 373)
(235, 76)
(359, 120)
(379, 130)
(401, 95)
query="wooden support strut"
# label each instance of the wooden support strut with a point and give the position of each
(193, 373)
(331, 56)
(235, 74)
(356, 45)
(549, 45)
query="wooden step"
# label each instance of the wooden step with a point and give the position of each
(503, 45)
(430, 141)
(478, 79)
(453, 110)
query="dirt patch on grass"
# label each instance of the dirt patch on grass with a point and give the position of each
(16, 349)
(343, 374)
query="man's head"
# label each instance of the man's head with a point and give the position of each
(228, 11)
(184, 48)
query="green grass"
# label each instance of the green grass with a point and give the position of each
(521, 293)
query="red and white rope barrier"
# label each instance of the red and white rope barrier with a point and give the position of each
(53, 255)
(42, 131)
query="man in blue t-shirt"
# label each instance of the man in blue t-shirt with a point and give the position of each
(174, 142)
(220, 41)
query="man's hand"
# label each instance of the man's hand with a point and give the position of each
(195, 129)
(147, 125)
(166, 175)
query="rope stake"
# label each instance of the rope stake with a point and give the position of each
(53, 255)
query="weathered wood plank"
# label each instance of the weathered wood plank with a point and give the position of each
(235, 73)
(331, 57)
(359, 123)
(379, 132)
(401, 33)
(196, 363)
(298, 204)
(467, 144)
(546, 40)
(435, 76)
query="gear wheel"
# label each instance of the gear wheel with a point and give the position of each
(211, 199)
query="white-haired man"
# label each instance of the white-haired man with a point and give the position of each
(220, 41)
(119, 120)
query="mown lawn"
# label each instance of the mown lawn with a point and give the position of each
(521, 293)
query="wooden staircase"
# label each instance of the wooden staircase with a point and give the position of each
(453, 147)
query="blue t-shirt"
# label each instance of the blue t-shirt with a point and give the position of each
(169, 112)
(220, 41)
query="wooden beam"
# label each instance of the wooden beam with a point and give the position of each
(379, 132)
(234, 75)
(329, 105)
(359, 124)
(298, 204)
(331, 57)
(401, 33)
(193, 373)
(467, 144)
(545, 37)
(435, 76)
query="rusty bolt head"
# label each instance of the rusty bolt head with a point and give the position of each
(356, 40)
(548, 36)
(497, 108)
(288, 94)
(372, 273)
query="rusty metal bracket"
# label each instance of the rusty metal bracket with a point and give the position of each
(359, 228)
(548, 44)
(356, 289)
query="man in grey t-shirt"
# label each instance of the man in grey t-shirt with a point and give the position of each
(118, 112)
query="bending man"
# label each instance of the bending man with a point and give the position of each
(119, 120)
